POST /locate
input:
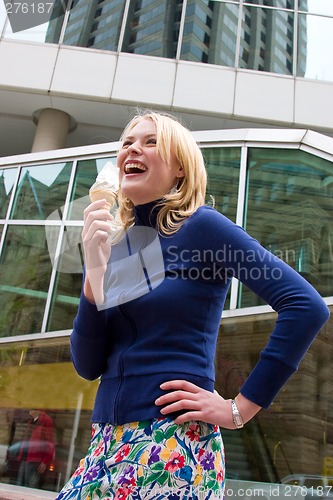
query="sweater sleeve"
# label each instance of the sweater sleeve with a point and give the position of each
(89, 341)
(301, 310)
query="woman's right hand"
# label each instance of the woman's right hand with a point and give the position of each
(97, 249)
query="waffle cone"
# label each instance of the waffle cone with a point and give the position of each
(103, 194)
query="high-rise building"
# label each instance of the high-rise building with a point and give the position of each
(252, 79)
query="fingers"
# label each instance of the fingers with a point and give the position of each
(195, 403)
(180, 384)
(184, 404)
(97, 229)
(97, 206)
(183, 396)
(174, 396)
(96, 221)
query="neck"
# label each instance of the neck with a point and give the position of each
(146, 214)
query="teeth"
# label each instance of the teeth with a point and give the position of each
(134, 167)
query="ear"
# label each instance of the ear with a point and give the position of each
(180, 173)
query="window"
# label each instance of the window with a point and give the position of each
(304, 239)
(270, 52)
(315, 36)
(25, 270)
(41, 190)
(7, 180)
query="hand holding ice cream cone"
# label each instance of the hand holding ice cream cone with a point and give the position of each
(96, 232)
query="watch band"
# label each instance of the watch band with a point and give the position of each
(236, 416)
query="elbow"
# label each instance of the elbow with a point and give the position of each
(326, 314)
(304, 307)
(88, 362)
(89, 375)
(321, 308)
(318, 311)
(84, 369)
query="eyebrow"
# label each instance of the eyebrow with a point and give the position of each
(145, 137)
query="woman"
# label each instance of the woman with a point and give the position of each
(151, 335)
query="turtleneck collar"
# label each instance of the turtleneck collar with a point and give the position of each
(146, 214)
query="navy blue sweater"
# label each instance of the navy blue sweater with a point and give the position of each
(162, 322)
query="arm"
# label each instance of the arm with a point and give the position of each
(301, 314)
(90, 340)
(301, 311)
(48, 436)
(97, 249)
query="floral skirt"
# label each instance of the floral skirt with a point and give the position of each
(151, 459)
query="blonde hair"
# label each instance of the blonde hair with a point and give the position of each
(179, 204)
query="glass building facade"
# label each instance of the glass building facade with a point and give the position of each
(279, 186)
(289, 37)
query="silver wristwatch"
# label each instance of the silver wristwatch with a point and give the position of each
(236, 416)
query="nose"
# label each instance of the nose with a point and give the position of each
(134, 147)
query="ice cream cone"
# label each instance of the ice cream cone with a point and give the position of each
(103, 194)
(106, 186)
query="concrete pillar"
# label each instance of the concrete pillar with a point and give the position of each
(52, 130)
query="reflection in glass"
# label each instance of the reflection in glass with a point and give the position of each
(25, 270)
(85, 177)
(210, 33)
(152, 29)
(68, 282)
(94, 24)
(283, 4)
(56, 22)
(315, 55)
(267, 40)
(288, 438)
(46, 31)
(30, 382)
(223, 165)
(35, 34)
(290, 211)
(41, 190)
(323, 7)
(7, 179)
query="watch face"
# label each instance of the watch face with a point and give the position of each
(238, 421)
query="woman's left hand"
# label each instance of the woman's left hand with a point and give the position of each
(199, 404)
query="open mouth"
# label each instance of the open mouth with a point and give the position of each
(134, 168)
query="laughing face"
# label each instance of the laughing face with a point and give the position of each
(144, 176)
